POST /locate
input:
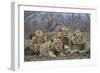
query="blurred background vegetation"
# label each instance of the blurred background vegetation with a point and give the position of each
(53, 21)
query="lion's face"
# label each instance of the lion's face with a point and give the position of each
(78, 36)
(56, 44)
(39, 33)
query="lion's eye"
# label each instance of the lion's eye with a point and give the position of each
(59, 37)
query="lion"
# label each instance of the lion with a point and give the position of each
(76, 42)
(80, 46)
(39, 34)
(38, 38)
(52, 48)
(64, 29)
(64, 35)
(60, 35)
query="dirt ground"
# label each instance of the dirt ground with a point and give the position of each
(74, 56)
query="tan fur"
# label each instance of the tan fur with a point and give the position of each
(76, 40)
(64, 29)
(39, 37)
(64, 35)
(51, 46)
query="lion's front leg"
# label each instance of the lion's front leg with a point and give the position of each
(51, 54)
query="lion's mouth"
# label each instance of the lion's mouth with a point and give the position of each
(58, 49)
